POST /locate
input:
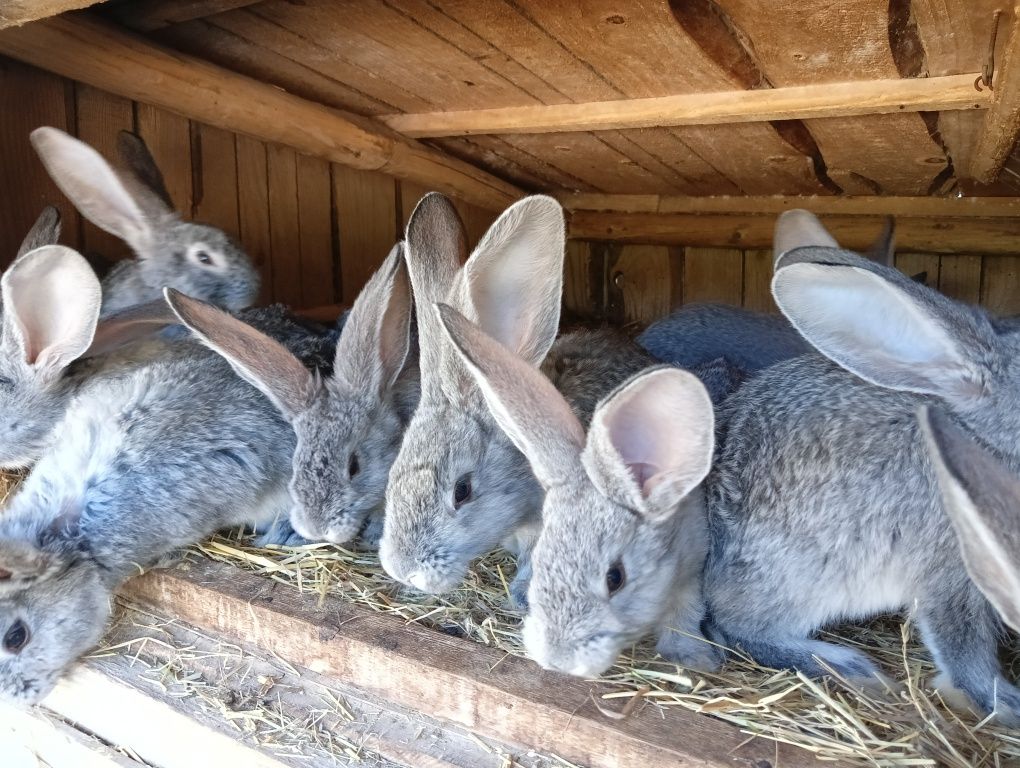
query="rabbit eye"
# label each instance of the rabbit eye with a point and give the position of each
(462, 491)
(616, 577)
(353, 467)
(204, 257)
(16, 637)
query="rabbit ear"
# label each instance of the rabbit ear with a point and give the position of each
(45, 231)
(523, 401)
(651, 442)
(982, 498)
(93, 186)
(261, 361)
(513, 281)
(34, 549)
(883, 250)
(878, 324)
(374, 342)
(798, 228)
(143, 176)
(51, 300)
(136, 322)
(23, 563)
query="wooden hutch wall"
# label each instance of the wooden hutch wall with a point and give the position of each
(318, 230)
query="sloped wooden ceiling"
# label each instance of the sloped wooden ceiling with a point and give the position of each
(378, 57)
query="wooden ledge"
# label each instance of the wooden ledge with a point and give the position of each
(493, 695)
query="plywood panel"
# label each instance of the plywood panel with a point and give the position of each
(758, 281)
(713, 274)
(960, 277)
(168, 137)
(284, 226)
(214, 171)
(999, 284)
(253, 210)
(366, 212)
(315, 216)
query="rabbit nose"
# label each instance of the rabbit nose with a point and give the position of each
(418, 580)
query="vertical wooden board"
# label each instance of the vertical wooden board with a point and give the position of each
(999, 283)
(253, 210)
(29, 98)
(640, 282)
(713, 274)
(315, 216)
(476, 221)
(366, 212)
(168, 137)
(101, 116)
(960, 277)
(284, 224)
(583, 280)
(914, 264)
(409, 194)
(214, 178)
(758, 281)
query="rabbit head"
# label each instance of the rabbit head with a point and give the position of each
(982, 498)
(54, 603)
(196, 259)
(51, 301)
(623, 511)
(349, 424)
(459, 487)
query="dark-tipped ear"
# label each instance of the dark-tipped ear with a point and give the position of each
(651, 442)
(130, 324)
(32, 550)
(374, 341)
(45, 231)
(523, 401)
(51, 301)
(798, 228)
(982, 498)
(883, 250)
(142, 175)
(875, 322)
(261, 361)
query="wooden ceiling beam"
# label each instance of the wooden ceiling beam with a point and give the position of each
(14, 13)
(150, 15)
(773, 205)
(1001, 128)
(802, 102)
(103, 55)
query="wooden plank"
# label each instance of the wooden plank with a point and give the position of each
(640, 284)
(214, 170)
(867, 205)
(34, 738)
(105, 56)
(1001, 127)
(800, 102)
(15, 12)
(758, 281)
(584, 277)
(253, 210)
(315, 218)
(713, 275)
(150, 15)
(168, 137)
(960, 277)
(284, 224)
(476, 220)
(1000, 280)
(29, 98)
(914, 264)
(366, 213)
(926, 235)
(100, 116)
(494, 695)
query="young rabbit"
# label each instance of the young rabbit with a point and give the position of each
(348, 424)
(199, 260)
(146, 462)
(624, 531)
(982, 497)
(823, 503)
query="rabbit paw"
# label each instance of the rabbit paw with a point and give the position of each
(371, 532)
(690, 652)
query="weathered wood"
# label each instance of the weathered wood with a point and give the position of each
(640, 284)
(915, 264)
(150, 15)
(214, 170)
(366, 212)
(583, 281)
(482, 689)
(799, 102)
(1001, 127)
(999, 280)
(35, 738)
(168, 137)
(105, 56)
(713, 275)
(960, 277)
(758, 281)
(16, 12)
(253, 210)
(928, 235)
(865, 205)
(284, 226)
(315, 219)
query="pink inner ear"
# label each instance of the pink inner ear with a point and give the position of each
(5, 575)
(643, 472)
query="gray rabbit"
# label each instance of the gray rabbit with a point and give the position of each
(823, 502)
(348, 424)
(133, 204)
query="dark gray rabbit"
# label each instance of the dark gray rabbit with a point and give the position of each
(133, 204)
(823, 502)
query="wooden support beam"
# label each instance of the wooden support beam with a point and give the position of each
(1001, 127)
(14, 13)
(772, 205)
(150, 15)
(866, 97)
(105, 56)
(493, 695)
(925, 235)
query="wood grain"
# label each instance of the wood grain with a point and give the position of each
(284, 226)
(960, 277)
(366, 210)
(640, 284)
(999, 281)
(253, 210)
(315, 220)
(758, 281)
(150, 15)
(168, 137)
(214, 170)
(713, 275)
(914, 264)
(1001, 126)
(15, 12)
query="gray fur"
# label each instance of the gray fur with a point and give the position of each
(823, 502)
(199, 260)
(45, 231)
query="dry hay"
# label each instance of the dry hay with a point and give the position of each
(905, 724)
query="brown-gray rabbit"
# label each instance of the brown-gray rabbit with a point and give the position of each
(624, 531)
(348, 424)
(823, 503)
(133, 204)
